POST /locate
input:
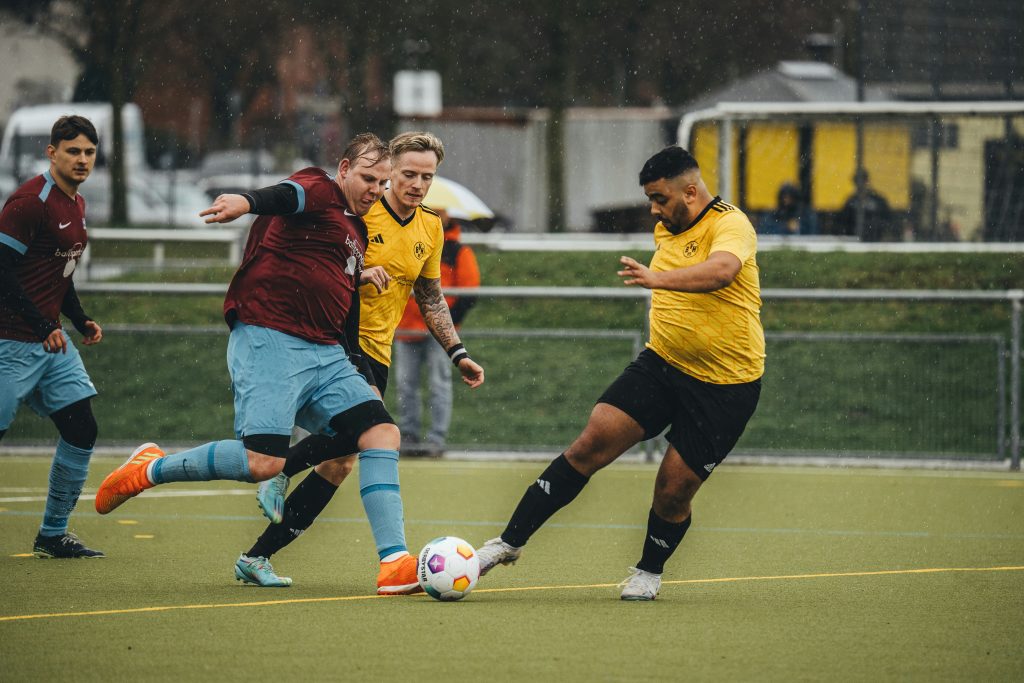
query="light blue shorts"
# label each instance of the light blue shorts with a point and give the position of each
(280, 381)
(45, 381)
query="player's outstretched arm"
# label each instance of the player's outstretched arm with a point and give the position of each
(226, 208)
(717, 272)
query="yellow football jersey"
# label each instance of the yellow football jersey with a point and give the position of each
(407, 250)
(714, 336)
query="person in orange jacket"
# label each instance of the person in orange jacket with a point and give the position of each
(415, 349)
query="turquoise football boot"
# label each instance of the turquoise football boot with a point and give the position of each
(257, 571)
(270, 497)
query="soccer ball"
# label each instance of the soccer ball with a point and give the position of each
(448, 568)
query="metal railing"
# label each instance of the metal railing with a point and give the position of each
(232, 236)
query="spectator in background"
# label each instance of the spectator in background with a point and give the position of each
(416, 349)
(791, 216)
(878, 223)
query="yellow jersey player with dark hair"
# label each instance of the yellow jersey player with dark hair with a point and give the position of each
(700, 374)
(403, 257)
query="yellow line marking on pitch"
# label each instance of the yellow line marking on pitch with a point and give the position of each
(1010, 483)
(144, 536)
(127, 521)
(352, 598)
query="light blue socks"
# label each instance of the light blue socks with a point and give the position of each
(67, 475)
(217, 460)
(378, 487)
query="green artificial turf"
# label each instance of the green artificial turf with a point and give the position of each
(786, 574)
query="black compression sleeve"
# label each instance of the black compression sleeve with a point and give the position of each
(71, 307)
(276, 200)
(13, 295)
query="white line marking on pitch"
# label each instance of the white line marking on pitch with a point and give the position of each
(149, 494)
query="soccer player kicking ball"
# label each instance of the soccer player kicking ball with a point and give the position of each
(403, 257)
(699, 375)
(293, 308)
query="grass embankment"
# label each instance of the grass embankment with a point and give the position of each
(841, 395)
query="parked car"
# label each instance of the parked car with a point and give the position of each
(27, 133)
(235, 171)
(146, 204)
(8, 184)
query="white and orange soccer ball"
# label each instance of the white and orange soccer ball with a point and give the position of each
(448, 568)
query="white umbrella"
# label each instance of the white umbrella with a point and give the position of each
(456, 199)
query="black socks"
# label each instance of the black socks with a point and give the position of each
(662, 540)
(309, 452)
(303, 505)
(556, 487)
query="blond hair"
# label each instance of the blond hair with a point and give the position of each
(417, 141)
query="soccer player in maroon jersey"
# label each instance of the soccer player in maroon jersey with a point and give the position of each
(293, 310)
(42, 238)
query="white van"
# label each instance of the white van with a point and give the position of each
(23, 149)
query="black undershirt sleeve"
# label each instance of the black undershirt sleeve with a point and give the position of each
(13, 295)
(71, 307)
(276, 200)
(350, 341)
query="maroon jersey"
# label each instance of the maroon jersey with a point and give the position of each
(47, 228)
(300, 271)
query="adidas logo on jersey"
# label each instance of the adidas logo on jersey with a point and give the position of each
(544, 486)
(377, 239)
(710, 466)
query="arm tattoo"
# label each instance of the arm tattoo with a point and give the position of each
(434, 308)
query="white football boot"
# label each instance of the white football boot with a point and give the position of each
(495, 552)
(640, 585)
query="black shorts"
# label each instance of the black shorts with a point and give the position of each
(706, 419)
(351, 424)
(377, 375)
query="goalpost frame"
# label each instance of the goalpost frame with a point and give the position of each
(728, 114)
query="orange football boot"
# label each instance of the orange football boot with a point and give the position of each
(398, 577)
(128, 480)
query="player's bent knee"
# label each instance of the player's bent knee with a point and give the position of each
(263, 467)
(369, 419)
(672, 498)
(593, 450)
(337, 470)
(384, 435)
(77, 424)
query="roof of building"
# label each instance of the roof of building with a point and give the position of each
(791, 81)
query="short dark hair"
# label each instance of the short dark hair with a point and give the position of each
(70, 127)
(668, 163)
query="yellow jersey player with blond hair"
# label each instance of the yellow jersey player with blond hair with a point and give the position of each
(403, 257)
